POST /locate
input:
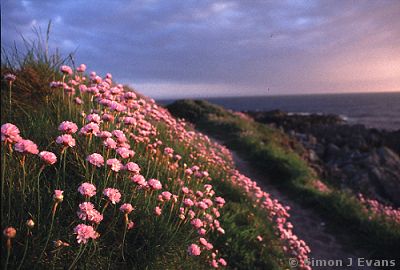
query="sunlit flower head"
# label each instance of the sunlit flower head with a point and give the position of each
(26, 147)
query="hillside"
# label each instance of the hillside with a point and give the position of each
(361, 222)
(98, 176)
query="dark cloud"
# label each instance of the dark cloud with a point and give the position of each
(224, 47)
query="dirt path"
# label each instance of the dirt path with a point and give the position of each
(307, 225)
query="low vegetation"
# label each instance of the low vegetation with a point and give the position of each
(374, 227)
(95, 175)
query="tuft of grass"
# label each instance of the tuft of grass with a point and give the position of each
(154, 242)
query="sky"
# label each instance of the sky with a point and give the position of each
(188, 48)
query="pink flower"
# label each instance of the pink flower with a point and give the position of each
(83, 88)
(26, 147)
(219, 201)
(188, 202)
(95, 159)
(58, 195)
(78, 101)
(66, 140)
(113, 195)
(87, 189)
(10, 77)
(81, 68)
(131, 225)
(10, 133)
(68, 127)
(124, 152)
(197, 223)
(194, 250)
(203, 241)
(154, 184)
(121, 138)
(87, 212)
(66, 70)
(84, 233)
(132, 167)
(139, 180)
(222, 262)
(126, 208)
(48, 157)
(130, 95)
(166, 195)
(157, 211)
(202, 205)
(110, 143)
(168, 151)
(91, 128)
(259, 238)
(107, 117)
(104, 134)
(93, 117)
(220, 230)
(115, 164)
(10, 232)
(214, 264)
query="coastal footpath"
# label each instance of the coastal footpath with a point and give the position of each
(283, 159)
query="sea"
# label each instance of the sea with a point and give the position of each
(374, 110)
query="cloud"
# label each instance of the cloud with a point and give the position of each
(224, 47)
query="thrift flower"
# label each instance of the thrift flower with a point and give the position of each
(126, 208)
(132, 167)
(68, 127)
(115, 164)
(157, 211)
(113, 195)
(10, 77)
(66, 140)
(95, 159)
(10, 133)
(154, 184)
(194, 250)
(87, 189)
(48, 157)
(66, 70)
(26, 147)
(10, 232)
(85, 233)
(58, 195)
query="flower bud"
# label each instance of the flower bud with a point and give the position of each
(30, 223)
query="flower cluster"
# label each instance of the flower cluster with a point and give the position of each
(376, 209)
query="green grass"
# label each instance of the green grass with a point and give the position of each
(155, 242)
(279, 157)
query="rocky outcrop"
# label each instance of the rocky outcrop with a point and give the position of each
(349, 156)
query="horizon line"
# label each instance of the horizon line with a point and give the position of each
(278, 95)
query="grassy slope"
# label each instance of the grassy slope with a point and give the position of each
(270, 151)
(153, 243)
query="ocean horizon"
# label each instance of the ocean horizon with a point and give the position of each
(374, 110)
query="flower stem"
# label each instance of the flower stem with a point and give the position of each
(8, 253)
(38, 195)
(25, 250)
(50, 231)
(123, 239)
(80, 252)
(9, 92)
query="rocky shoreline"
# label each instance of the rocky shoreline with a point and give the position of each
(351, 157)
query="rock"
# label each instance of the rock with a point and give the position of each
(332, 150)
(312, 156)
(388, 157)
